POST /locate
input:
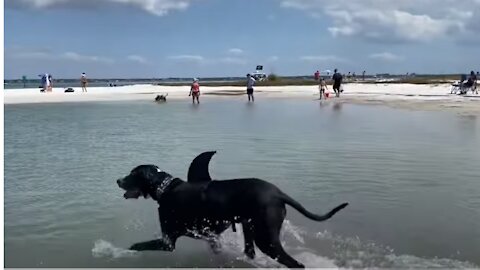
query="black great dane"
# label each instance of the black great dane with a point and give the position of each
(204, 208)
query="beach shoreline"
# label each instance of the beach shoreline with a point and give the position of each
(410, 96)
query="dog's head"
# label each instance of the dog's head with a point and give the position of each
(143, 180)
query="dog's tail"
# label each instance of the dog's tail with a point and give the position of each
(288, 200)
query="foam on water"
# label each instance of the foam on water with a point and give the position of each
(105, 249)
(348, 252)
(292, 241)
(354, 253)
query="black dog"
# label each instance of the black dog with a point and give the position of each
(202, 208)
(161, 98)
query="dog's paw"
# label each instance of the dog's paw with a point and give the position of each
(216, 247)
(136, 247)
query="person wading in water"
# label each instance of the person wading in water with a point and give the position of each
(250, 84)
(337, 82)
(195, 91)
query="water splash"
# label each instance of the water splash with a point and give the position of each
(105, 249)
(290, 229)
(348, 252)
(293, 241)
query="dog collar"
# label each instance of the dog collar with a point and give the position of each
(164, 185)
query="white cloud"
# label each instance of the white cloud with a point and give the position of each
(22, 52)
(137, 58)
(235, 51)
(187, 58)
(156, 7)
(273, 59)
(73, 56)
(386, 56)
(29, 55)
(46, 54)
(322, 58)
(233, 60)
(394, 20)
(201, 59)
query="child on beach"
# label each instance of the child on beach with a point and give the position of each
(195, 91)
(323, 89)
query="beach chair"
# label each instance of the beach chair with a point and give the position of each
(463, 86)
(456, 87)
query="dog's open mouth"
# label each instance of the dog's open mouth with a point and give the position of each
(132, 194)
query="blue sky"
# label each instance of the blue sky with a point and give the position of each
(200, 38)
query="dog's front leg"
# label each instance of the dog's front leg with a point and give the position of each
(163, 244)
(166, 243)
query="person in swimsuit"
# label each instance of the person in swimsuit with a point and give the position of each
(195, 91)
(84, 82)
(323, 87)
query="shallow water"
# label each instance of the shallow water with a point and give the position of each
(411, 177)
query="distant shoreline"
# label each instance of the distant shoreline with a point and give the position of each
(300, 82)
(237, 81)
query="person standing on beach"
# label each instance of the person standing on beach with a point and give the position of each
(472, 82)
(83, 81)
(337, 82)
(50, 86)
(323, 88)
(195, 91)
(250, 84)
(45, 83)
(316, 75)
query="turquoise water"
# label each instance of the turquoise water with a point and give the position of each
(411, 177)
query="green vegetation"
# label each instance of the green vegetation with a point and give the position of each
(273, 77)
(274, 80)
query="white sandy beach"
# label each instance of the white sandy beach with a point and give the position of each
(408, 95)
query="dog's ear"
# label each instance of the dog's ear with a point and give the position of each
(198, 170)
